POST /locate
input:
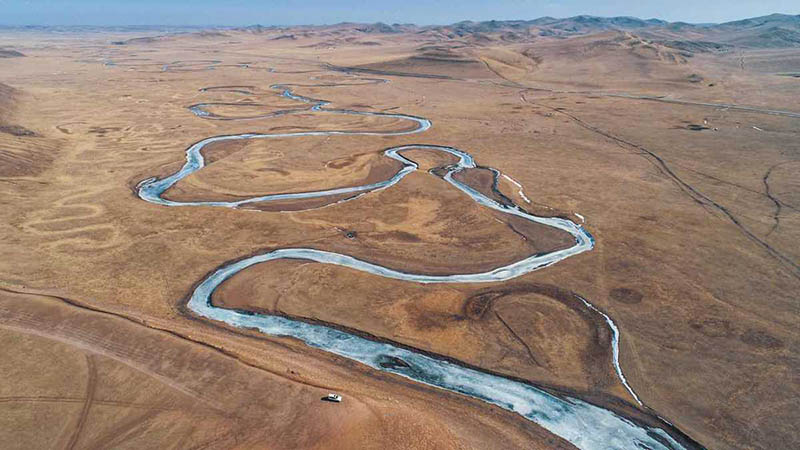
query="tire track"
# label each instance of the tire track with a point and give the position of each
(661, 165)
(518, 338)
(176, 334)
(123, 431)
(91, 384)
(775, 200)
(69, 400)
(97, 344)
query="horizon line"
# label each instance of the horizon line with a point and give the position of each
(665, 22)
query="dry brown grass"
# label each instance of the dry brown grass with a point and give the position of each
(696, 241)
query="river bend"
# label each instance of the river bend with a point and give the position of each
(583, 424)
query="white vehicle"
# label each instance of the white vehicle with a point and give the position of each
(333, 398)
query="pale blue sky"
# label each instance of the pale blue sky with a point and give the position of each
(290, 12)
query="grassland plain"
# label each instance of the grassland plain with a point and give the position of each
(694, 209)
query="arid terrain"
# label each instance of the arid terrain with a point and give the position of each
(675, 146)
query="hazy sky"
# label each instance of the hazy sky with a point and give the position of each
(290, 12)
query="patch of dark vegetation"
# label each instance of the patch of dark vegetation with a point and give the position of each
(139, 40)
(696, 127)
(380, 27)
(16, 130)
(530, 53)
(211, 34)
(387, 72)
(10, 54)
(431, 58)
(439, 171)
(550, 26)
(402, 236)
(256, 29)
(431, 320)
(341, 162)
(697, 46)
(712, 327)
(284, 37)
(695, 78)
(626, 295)
(101, 131)
(239, 89)
(476, 306)
(761, 339)
(281, 172)
(773, 38)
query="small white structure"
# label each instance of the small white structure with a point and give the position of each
(334, 398)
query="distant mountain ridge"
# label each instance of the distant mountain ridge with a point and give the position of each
(587, 21)
(575, 23)
(774, 30)
(770, 31)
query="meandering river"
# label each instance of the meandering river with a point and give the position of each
(585, 425)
